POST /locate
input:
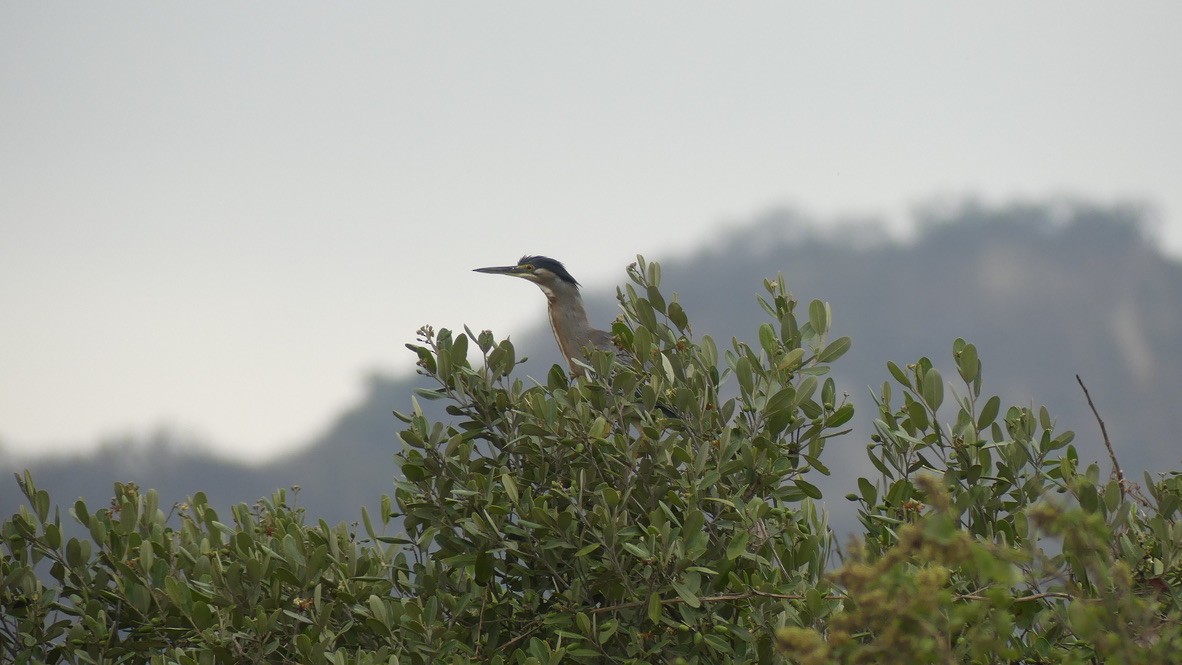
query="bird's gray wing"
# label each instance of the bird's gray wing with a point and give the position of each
(602, 339)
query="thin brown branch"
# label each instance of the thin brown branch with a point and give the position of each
(1120, 474)
(528, 630)
(792, 596)
(708, 599)
(1020, 599)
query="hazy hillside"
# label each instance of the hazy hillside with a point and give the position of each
(1044, 291)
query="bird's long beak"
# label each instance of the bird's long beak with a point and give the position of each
(500, 270)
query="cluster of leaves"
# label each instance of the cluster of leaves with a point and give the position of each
(638, 514)
(657, 509)
(268, 589)
(986, 542)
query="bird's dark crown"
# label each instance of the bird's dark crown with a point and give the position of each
(550, 264)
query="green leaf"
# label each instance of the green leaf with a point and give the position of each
(1112, 496)
(510, 486)
(917, 414)
(933, 389)
(654, 607)
(988, 412)
(656, 299)
(789, 331)
(484, 567)
(791, 360)
(678, 317)
(967, 363)
(1062, 440)
(738, 545)
(869, 493)
(377, 609)
(834, 350)
(816, 464)
(426, 358)
(767, 338)
(586, 549)
(828, 394)
(780, 409)
(687, 594)
(710, 350)
(459, 351)
(502, 359)
(77, 552)
(611, 496)
(819, 316)
(810, 490)
(841, 416)
(1089, 499)
(202, 615)
(81, 514)
(369, 530)
(642, 343)
(694, 522)
(147, 555)
(636, 550)
(899, 374)
(430, 394)
(744, 376)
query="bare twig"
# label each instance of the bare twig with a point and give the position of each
(707, 599)
(1020, 599)
(791, 596)
(528, 630)
(719, 598)
(1120, 474)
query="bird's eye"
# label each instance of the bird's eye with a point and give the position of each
(526, 267)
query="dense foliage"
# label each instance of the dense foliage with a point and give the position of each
(660, 510)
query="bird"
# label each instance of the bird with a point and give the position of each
(568, 316)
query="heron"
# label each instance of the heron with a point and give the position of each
(568, 316)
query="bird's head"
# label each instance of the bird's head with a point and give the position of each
(547, 273)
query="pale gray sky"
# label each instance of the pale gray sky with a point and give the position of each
(218, 217)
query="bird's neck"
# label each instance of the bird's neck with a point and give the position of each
(568, 318)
